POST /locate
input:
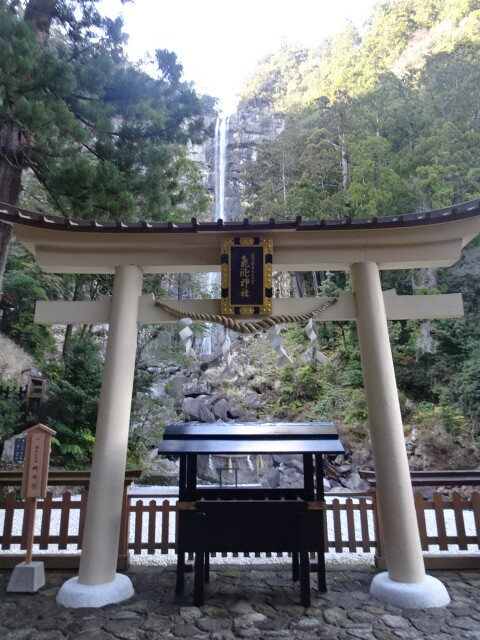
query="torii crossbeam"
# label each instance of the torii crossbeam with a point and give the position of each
(364, 247)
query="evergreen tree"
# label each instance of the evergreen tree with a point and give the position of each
(104, 138)
(73, 403)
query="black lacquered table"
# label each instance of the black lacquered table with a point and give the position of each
(251, 519)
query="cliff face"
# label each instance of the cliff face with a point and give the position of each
(246, 129)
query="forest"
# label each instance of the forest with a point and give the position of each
(380, 122)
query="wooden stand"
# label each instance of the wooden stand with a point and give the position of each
(29, 576)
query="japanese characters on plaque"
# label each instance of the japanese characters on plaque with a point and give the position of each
(19, 449)
(246, 264)
(35, 472)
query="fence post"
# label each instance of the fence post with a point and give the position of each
(123, 560)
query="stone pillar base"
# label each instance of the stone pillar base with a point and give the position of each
(73, 594)
(27, 578)
(417, 595)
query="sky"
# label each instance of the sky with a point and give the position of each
(219, 42)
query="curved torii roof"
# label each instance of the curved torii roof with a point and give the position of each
(427, 239)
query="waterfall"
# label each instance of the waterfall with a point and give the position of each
(221, 141)
(206, 344)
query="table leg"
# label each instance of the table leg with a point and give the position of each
(322, 582)
(180, 572)
(199, 581)
(304, 560)
(207, 566)
(295, 569)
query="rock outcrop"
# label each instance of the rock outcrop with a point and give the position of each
(203, 392)
(246, 130)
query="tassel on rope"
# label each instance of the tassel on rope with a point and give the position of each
(271, 323)
(186, 336)
(312, 336)
(225, 344)
(276, 344)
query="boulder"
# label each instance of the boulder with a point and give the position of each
(297, 464)
(219, 396)
(254, 401)
(174, 387)
(356, 483)
(158, 392)
(290, 477)
(271, 478)
(193, 370)
(344, 468)
(195, 408)
(196, 388)
(221, 409)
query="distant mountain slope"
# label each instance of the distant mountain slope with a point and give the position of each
(399, 37)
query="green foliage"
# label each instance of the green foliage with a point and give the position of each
(468, 383)
(73, 402)
(374, 127)
(356, 412)
(399, 34)
(17, 321)
(384, 124)
(103, 137)
(149, 419)
(444, 433)
(11, 410)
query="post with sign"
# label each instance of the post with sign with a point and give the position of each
(29, 576)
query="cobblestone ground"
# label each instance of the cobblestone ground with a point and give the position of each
(242, 603)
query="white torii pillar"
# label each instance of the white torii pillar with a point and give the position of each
(429, 239)
(405, 584)
(98, 583)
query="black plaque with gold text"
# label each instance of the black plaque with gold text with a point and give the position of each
(246, 264)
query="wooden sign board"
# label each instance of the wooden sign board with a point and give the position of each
(246, 264)
(37, 459)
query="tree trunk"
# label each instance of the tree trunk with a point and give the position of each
(10, 184)
(345, 182)
(5, 239)
(298, 286)
(39, 14)
(67, 341)
(315, 284)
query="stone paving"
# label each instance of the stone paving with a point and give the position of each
(242, 602)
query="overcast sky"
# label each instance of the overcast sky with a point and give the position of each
(218, 42)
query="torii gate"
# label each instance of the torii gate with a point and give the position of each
(364, 247)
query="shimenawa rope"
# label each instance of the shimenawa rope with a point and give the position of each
(242, 326)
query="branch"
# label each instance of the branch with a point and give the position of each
(93, 152)
(146, 135)
(82, 119)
